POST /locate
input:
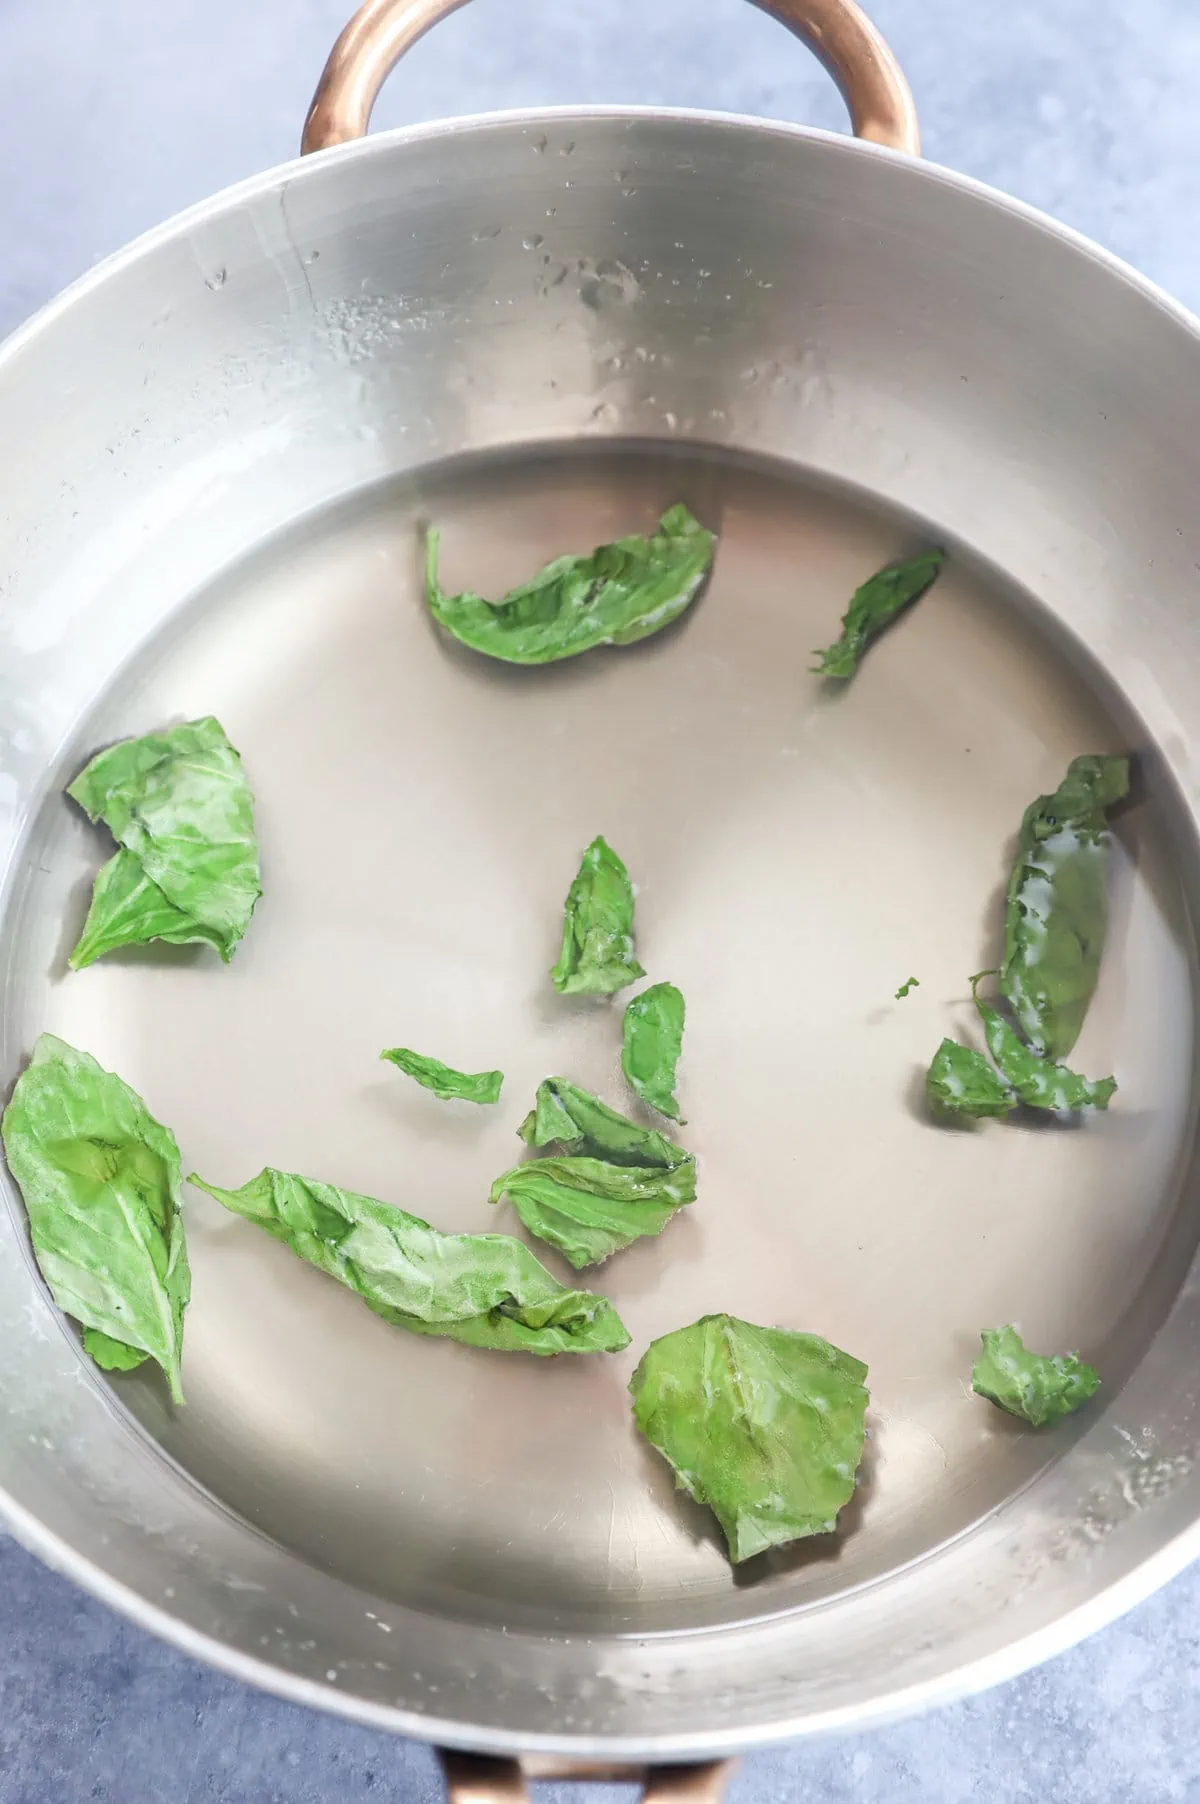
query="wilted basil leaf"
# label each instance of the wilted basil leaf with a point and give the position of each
(443, 1080)
(178, 804)
(574, 1121)
(1039, 1083)
(618, 594)
(589, 1209)
(486, 1290)
(1057, 904)
(874, 606)
(1030, 1385)
(764, 1425)
(960, 1081)
(597, 955)
(112, 1355)
(652, 1036)
(100, 1179)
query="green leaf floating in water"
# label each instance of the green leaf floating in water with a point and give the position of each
(1039, 1083)
(572, 1120)
(874, 606)
(589, 1209)
(618, 594)
(1037, 1388)
(960, 1081)
(652, 1037)
(178, 804)
(100, 1179)
(444, 1080)
(764, 1425)
(1057, 904)
(486, 1290)
(597, 956)
(113, 1355)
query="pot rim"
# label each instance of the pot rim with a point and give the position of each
(301, 168)
(980, 1675)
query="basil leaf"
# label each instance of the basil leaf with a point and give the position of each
(486, 1290)
(112, 1355)
(1039, 1083)
(178, 804)
(127, 909)
(1030, 1385)
(443, 1080)
(764, 1425)
(100, 1179)
(588, 1210)
(909, 984)
(619, 594)
(960, 1081)
(1056, 913)
(597, 955)
(874, 606)
(574, 1121)
(651, 1040)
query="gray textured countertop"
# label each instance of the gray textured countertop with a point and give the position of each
(115, 116)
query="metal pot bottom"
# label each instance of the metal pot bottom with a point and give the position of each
(798, 853)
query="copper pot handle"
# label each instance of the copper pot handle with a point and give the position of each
(872, 84)
(476, 1779)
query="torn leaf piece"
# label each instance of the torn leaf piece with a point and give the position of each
(764, 1425)
(597, 956)
(447, 1083)
(1039, 1083)
(572, 1120)
(112, 1355)
(960, 1081)
(615, 595)
(178, 804)
(1056, 914)
(874, 606)
(587, 1209)
(1034, 1386)
(651, 1041)
(101, 1183)
(486, 1290)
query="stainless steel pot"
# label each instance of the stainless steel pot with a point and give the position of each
(540, 328)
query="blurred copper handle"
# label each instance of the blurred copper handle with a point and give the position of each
(879, 99)
(476, 1779)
